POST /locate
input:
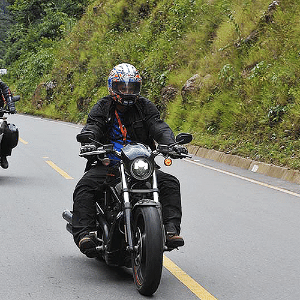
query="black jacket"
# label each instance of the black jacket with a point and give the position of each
(142, 121)
(5, 93)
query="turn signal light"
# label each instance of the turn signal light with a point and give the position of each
(168, 162)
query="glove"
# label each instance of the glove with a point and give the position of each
(178, 150)
(87, 148)
(12, 109)
(85, 137)
(11, 106)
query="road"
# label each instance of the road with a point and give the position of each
(241, 229)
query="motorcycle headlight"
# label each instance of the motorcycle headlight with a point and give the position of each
(141, 169)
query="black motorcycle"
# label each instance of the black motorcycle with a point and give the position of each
(130, 230)
(9, 133)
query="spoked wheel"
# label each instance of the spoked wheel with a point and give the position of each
(147, 259)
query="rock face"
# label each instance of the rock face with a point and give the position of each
(168, 94)
(190, 89)
(193, 85)
(43, 92)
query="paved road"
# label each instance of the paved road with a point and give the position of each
(242, 237)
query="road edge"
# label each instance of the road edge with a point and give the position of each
(245, 163)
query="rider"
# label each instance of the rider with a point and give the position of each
(119, 118)
(5, 99)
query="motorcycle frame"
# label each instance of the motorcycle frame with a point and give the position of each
(108, 231)
(127, 203)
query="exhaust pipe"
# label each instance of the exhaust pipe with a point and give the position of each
(67, 215)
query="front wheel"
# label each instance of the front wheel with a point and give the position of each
(147, 259)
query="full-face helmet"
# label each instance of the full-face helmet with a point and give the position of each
(124, 84)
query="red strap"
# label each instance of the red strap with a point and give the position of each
(122, 127)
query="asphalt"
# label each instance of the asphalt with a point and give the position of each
(245, 163)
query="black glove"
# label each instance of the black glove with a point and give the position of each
(87, 148)
(85, 137)
(178, 150)
(11, 106)
(12, 110)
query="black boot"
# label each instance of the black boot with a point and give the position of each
(4, 162)
(87, 246)
(173, 239)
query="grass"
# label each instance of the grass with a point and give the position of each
(247, 59)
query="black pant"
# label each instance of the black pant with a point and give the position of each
(89, 187)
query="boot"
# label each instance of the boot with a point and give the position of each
(173, 239)
(4, 162)
(87, 246)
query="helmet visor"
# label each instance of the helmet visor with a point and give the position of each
(126, 88)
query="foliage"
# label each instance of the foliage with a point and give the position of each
(32, 38)
(246, 55)
(5, 24)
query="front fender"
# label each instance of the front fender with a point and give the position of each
(146, 202)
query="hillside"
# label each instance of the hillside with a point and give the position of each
(4, 27)
(226, 71)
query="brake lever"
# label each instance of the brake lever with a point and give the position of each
(95, 152)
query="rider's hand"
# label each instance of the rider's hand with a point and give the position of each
(178, 150)
(11, 106)
(87, 148)
(12, 109)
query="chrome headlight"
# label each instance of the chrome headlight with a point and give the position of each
(141, 168)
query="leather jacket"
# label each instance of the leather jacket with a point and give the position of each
(142, 121)
(5, 94)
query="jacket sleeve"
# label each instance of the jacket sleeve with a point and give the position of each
(97, 121)
(158, 129)
(5, 91)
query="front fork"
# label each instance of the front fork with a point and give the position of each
(127, 205)
(128, 208)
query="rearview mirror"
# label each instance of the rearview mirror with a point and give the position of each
(15, 98)
(184, 138)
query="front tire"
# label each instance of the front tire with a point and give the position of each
(147, 259)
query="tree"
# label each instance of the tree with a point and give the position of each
(5, 24)
(36, 20)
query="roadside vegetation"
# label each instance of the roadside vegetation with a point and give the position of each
(225, 70)
(5, 24)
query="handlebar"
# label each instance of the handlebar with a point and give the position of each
(5, 111)
(104, 149)
(165, 150)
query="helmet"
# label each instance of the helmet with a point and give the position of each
(124, 84)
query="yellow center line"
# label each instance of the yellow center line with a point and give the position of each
(188, 281)
(246, 179)
(59, 170)
(22, 141)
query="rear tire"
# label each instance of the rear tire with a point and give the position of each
(147, 260)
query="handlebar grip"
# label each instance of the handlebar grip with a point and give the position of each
(94, 152)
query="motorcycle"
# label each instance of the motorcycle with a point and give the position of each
(9, 133)
(130, 230)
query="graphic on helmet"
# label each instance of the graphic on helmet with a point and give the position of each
(124, 84)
